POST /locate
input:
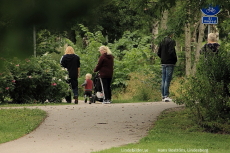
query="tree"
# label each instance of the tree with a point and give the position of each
(19, 17)
(116, 17)
(47, 42)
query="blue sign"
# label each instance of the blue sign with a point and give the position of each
(209, 20)
(211, 10)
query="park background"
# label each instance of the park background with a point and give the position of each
(34, 35)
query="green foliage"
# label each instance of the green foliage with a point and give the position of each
(90, 54)
(179, 69)
(92, 37)
(6, 84)
(132, 54)
(207, 92)
(47, 42)
(37, 79)
(224, 29)
(116, 17)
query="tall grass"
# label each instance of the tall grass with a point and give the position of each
(141, 87)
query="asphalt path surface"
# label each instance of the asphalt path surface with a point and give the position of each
(84, 128)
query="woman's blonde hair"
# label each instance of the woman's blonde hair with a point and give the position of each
(212, 37)
(106, 49)
(88, 75)
(69, 50)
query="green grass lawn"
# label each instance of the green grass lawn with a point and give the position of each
(15, 123)
(175, 132)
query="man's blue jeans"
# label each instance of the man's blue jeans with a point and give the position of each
(167, 72)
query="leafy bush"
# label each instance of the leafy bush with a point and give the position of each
(207, 93)
(48, 42)
(132, 54)
(37, 79)
(6, 85)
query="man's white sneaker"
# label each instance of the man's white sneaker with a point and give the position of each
(167, 99)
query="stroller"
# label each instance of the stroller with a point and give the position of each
(98, 94)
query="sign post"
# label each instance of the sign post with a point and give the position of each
(210, 17)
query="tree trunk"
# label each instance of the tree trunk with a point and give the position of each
(199, 45)
(155, 28)
(154, 47)
(164, 20)
(188, 57)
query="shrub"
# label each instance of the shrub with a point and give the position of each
(6, 85)
(132, 54)
(207, 92)
(37, 79)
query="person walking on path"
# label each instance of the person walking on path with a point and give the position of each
(88, 84)
(71, 62)
(168, 56)
(211, 47)
(105, 69)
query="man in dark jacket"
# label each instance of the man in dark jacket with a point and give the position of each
(168, 57)
(71, 62)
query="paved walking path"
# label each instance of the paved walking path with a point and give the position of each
(84, 128)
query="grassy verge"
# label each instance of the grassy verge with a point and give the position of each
(175, 132)
(35, 104)
(15, 123)
(9, 104)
